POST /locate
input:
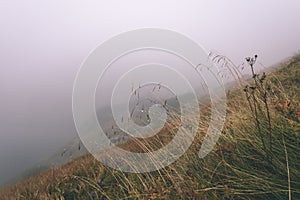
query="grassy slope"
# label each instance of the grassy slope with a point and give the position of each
(240, 167)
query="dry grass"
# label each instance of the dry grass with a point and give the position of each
(248, 162)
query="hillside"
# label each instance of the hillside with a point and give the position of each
(257, 156)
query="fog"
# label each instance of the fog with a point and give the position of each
(43, 43)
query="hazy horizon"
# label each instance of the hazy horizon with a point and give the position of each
(43, 44)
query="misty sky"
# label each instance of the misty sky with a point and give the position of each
(43, 43)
